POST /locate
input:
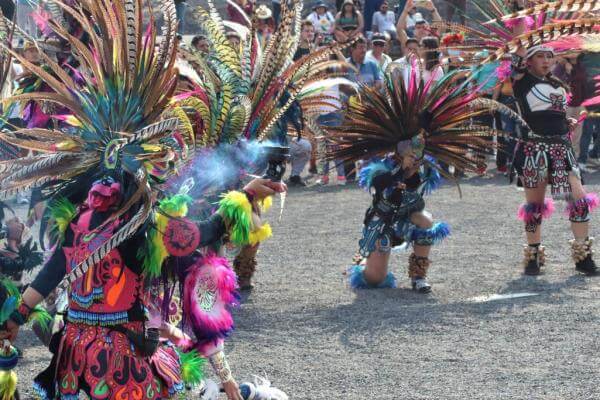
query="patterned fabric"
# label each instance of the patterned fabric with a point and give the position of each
(104, 364)
(108, 286)
(389, 225)
(537, 161)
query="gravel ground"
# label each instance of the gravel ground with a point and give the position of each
(315, 339)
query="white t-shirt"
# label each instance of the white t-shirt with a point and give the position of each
(411, 20)
(383, 63)
(385, 23)
(322, 23)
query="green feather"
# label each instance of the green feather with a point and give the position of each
(62, 212)
(235, 208)
(192, 367)
(41, 316)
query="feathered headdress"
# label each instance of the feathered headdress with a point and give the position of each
(244, 92)
(116, 114)
(435, 115)
(501, 29)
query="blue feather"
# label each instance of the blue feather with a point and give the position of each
(371, 170)
(10, 305)
(438, 232)
(356, 279)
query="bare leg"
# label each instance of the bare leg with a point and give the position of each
(377, 266)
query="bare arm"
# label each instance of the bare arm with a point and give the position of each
(401, 24)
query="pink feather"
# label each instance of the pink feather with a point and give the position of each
(41, 19)
(529, 212)
(211, 277)
(504, 71)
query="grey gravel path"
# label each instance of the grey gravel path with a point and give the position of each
(317, 340)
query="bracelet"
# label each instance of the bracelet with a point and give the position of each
(221, 367)
(20, 316)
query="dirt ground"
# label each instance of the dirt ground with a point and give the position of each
(316, 339)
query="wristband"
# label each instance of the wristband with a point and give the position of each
(517, 63)
(250, 195)
(20, 316)
(221, 367)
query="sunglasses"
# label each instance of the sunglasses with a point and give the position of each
(379, 44)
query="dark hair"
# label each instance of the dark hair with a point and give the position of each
(411, 40)
(355, 11)
(197, 39)
(359, 40)
(432, 56)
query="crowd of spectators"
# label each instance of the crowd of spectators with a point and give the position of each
(380, 32)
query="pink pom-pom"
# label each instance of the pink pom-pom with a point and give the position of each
(530, 212)
(592, 200)
(548, 209)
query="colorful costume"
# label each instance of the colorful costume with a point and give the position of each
(122, 241)
(409, 118)
(387, 222)
(544, 154)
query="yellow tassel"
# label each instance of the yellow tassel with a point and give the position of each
(8, 385)
(261, 234)
(266, 203)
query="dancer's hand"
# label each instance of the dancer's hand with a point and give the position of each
(261, 188)
(232, 390)
(11, 332)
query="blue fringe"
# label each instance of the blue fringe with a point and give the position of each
(438, 232)
(357, 280)
(431, 180)
(371, 170)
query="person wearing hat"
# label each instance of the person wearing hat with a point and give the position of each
(378, 45)
(384, 21)
(348, 22)
(545, 157)
(265, 24)
(323, 21)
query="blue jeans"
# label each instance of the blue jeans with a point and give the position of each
(276, 7)
(591, 130)
(180, 12)
(332, 119)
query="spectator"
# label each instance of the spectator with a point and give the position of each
(276, 7)
(200, 43)
(322, 21)
(240, 14)
(453, 6)
(369, 74)
(503, 93)
(432, 63)
(234, 39)
(577, 82)
(368, 70)
(348, 22)
(265, 25)
(590, 130)
(378, 44)
(421, 27)
(307, 37)
(371, 7)
(384, 21)
(331, 116)
(180, 6)
(411, 46)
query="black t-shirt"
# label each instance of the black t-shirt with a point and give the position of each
(543, 105)
(301, 52)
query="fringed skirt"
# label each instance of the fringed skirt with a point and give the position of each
(104, 364)
(547, 159)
